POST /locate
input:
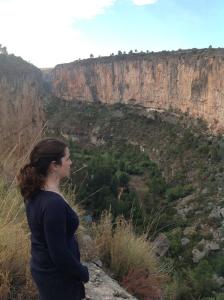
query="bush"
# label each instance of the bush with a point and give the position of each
(178, 191)
(142, 284)
(218, 264)
(174, 237)
(200, 278)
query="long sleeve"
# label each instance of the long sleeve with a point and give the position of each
(54, 219)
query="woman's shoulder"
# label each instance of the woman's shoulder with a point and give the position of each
(50, 198)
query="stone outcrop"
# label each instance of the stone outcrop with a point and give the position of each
(207, 247)
(161, 245)
(103, 287)
(190, 81)
(21, 102)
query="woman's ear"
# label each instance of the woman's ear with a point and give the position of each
(52, 167)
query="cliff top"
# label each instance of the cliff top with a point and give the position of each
(148, 55)
(11, 65)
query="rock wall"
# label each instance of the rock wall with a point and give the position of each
(21, 104)
(189, 80)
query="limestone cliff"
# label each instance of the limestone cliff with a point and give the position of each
(187, 80)
(21, 95)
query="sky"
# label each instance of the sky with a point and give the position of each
(49, 32)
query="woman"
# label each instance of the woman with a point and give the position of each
(55, 258)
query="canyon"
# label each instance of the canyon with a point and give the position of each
(190, 81)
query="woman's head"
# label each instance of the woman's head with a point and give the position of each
(48, 156)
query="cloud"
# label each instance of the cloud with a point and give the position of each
(43, 32)
(144, 2)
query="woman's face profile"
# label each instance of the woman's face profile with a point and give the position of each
(63, 170)
(66, 163)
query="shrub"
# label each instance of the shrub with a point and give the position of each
(174, 237)
(142, 284)
(178, 191)
(200, 278)
(218, 264)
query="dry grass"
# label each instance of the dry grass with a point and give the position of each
(15, 277)
(123, 251)
(4, 285)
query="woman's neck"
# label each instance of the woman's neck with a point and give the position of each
(52, 184)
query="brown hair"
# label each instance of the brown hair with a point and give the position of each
(32, 176)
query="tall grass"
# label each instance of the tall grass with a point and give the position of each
(15, 277)
(130, 257)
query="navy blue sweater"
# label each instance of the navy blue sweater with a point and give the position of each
(54, 247)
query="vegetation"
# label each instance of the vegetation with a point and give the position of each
(16, 282)
(129, 257)
(151, 168)
(141, 176)
(3, 50)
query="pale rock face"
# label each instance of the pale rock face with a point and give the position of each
(21, 103)
(190, 81)
(103, 287)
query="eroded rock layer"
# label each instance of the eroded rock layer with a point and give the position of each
(189, 80)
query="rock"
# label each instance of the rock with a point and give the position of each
(153, 80)
(217, 213)
(96, 140)
(103, 287)
(185, 241)
(21, 104)
(218, 233)
(218, 280)
(184, 211)
(207, 246)
(198, 255)
(204, 191)
(186, 200)
(189, 230)
(222, 212)
(88, 219)
(120, 294)
(212, 246)
(98, 262)
(161, 245)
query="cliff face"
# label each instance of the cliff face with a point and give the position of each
(21, 95)
(189, 80)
